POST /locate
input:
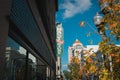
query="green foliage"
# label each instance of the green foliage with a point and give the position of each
(67, 74)
(73, 73)
(74, 70)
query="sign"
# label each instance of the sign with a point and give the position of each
(59, 39)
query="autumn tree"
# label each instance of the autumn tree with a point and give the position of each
(111, 26)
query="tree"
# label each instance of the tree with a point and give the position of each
(67, 74)
(111, 25)
(75, 72)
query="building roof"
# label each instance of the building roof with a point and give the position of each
(77, 42)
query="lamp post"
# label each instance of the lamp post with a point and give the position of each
(99, 24)
(101, 28)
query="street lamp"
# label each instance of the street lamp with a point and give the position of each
(101, 28)
(97, 19)
(100, 25)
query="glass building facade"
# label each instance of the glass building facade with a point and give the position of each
(27, 40)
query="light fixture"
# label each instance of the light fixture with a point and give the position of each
(100, 25)
(97, 19)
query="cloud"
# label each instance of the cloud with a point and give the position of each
(73, 7)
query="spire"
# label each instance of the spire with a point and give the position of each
(76, 35)
(77, 42)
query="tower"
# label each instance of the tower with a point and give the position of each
(75, 50)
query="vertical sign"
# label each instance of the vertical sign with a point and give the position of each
(59, 39)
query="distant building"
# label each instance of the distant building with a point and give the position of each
(15, 65)
(78, 47)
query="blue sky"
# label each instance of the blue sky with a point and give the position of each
(70, 14)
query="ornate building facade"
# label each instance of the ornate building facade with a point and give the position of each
(77, 49)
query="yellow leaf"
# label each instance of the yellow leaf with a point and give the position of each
(113, 25)
(82, 23)
(88, 34)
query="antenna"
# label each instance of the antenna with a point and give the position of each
(76, 35)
